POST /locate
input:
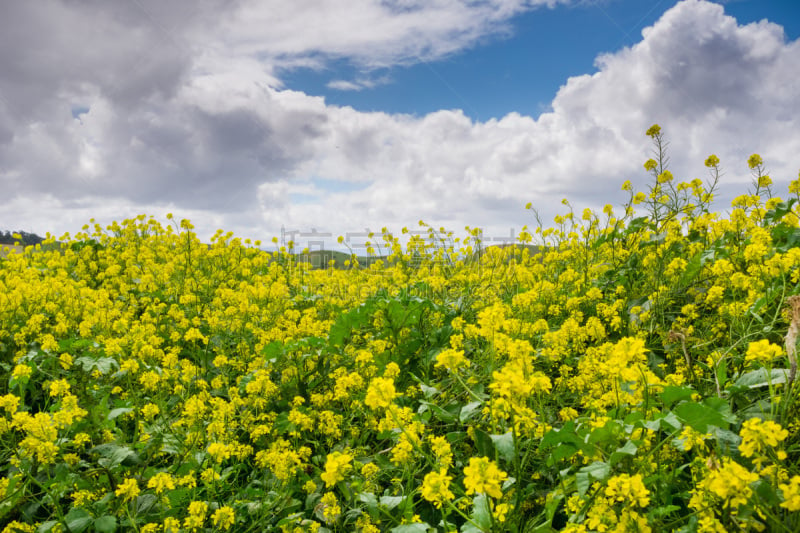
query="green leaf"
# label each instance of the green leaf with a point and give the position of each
(417, 527)
(673, 394)
(468, 411)
(114, 413)
(606, 433)
(390, 502)
(428, 391)
(628, 450)
(481, 514)
(700, 416)
(441, 414)
(106, 524)
(484, 444)
(78, 520)
(597, 470)
(760, 378)
(504, 444)
(103, 364)
(112, 454)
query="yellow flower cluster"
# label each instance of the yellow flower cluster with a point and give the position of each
(162, 383)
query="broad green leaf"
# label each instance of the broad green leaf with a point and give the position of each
(468, 411)
(78, 520)
(390, 502)
(114, 413)
(481, 514)
(417, 527)
(760, 378)
(674, 394)
(628, 450)
(585, 476)
(504, 444)
(105, 524)
(700, 416)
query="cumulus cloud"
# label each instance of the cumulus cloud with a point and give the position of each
(181, 108)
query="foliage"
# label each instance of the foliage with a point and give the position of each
(635, 373)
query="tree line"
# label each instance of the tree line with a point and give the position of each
(25, 238)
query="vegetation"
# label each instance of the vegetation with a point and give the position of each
(636, 374)
(22, 237)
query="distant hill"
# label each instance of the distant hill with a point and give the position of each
(7, 237)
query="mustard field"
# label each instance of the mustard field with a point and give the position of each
(627, 370)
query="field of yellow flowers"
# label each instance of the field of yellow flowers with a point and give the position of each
(629, 370)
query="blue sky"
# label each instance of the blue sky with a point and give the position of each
(520, 72)
(243, 114)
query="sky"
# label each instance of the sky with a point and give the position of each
(320, 118)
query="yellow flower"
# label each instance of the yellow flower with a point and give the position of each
(336, 466)
(380, 393)
(21, 372)
(223, 517)
(626, 488)
(759, 434)
(754, 161)
(436, 487)
(791, 494)
(128, 490)
(161, 482)
(451, 359)
(730, 482)
(762, 351)
(219, 452)
(197, 515)
(483, 476)
(59, 387)
(712, 161)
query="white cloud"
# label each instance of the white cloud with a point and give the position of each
(189, 116)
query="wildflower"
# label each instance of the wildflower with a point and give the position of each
(21, 372)
(754, 161)
(19, 527)
(483, 476)
(9, 403)
(758, 434)
(665, 177)
(65, 360)
(626, 488)
(150, 411)
(451, 359)
(197, 515)
(762, 351)
(653, 130)
(403, 451)
(172, 525)
(128, 490)
(161, 482)
(219, 452)
(209, 475)
(791, 494)
(730, 482)
(380, 393)
(500, 512)
(330, 507)
(712, 161)
(691, 438)
(223, 517)
(336, 466)
(59, 387)
(436, 487)
(441, 449)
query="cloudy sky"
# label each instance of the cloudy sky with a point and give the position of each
(340, 116)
